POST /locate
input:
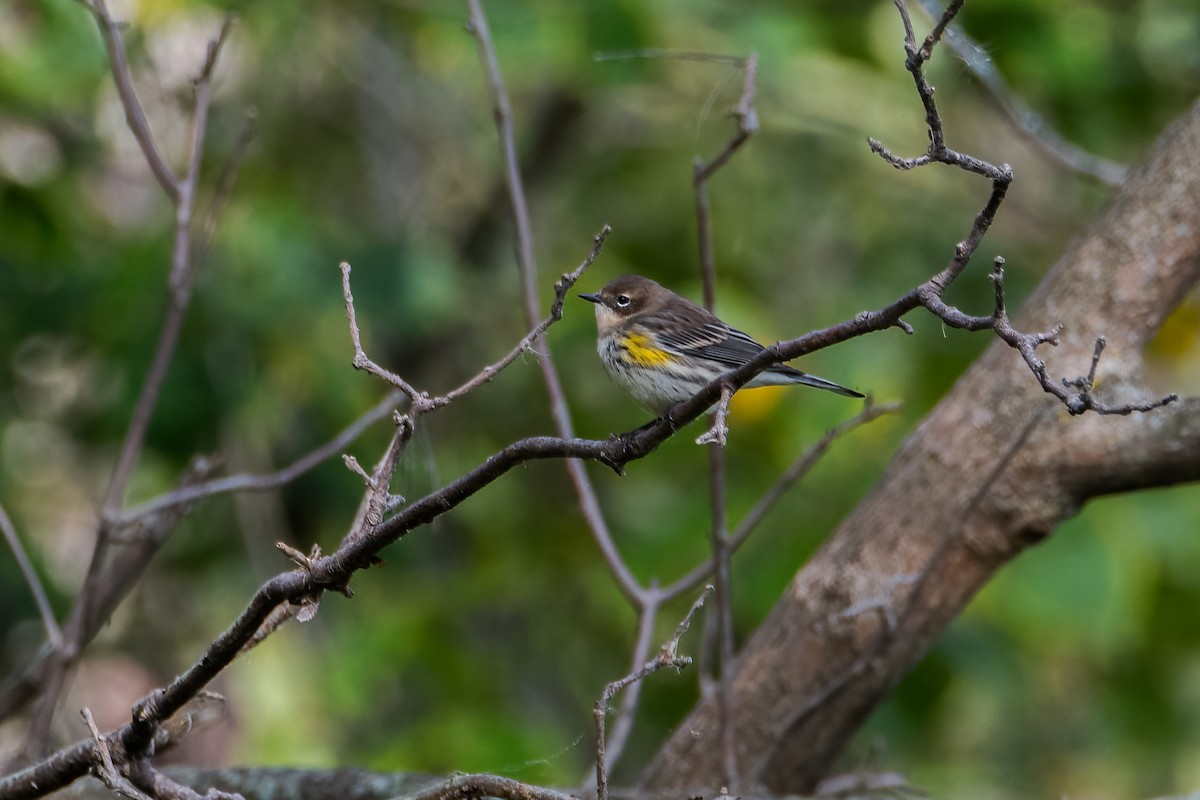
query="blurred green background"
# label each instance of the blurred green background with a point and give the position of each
(485, 639)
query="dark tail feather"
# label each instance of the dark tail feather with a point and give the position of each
(781, 376)
(829, 386)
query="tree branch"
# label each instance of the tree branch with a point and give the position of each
(1028, 122)
(181, 193)
(134, 115)
(589, 504)
(481, 786)
(668, 656)
(53, 633)
(270, 480)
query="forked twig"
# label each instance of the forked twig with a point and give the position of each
(1028, 122)
(423, 401)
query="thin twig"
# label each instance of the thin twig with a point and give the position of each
(181, 193)
(180, 289)
(134, 115)
(794, 473)
(668, 656)
(747, 120)
(143, 775)
(103, 766)
(1082, 399)
(589, 504)
(930, 293)
(423, 401)
(721, 623)
(943, 23)
(113, 584)
(502, 112)
(379, 488)
(1028, 122)
(361, 361)
(270, 480)
(623, 725)
(561, 288)
(53, 633)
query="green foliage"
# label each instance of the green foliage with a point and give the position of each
(483, 641)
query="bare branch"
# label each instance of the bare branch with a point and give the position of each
(181, 194)
(623, 726)
(747, 120)
(1082, 399)
(182, 264)
(502, 113)
(110, 30)
(588, 503)
(381, 499)
(331, 572)
(481, 786)
(361, 361)
(271, 480)
(1028, 122)
(111, 587)
(53, 633)
(935, 35)
(104, 767)
(668, 656)
(158, 785)
(930, 293)
(422, 401)
(791, 476)
(298, 558)
(561, 288)
(721, 623)
(352, 464)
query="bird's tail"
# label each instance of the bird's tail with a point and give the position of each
(784, 375)
(829, 386)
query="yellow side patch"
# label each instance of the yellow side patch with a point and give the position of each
(643, 353)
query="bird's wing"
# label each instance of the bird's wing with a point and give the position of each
(712, 340)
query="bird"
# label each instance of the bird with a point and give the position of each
(663, 348)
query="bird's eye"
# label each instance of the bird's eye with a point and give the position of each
(622, 300)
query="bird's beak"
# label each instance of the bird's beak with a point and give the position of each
(591, 298)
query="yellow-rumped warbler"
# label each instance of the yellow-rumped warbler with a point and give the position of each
(663, 348)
